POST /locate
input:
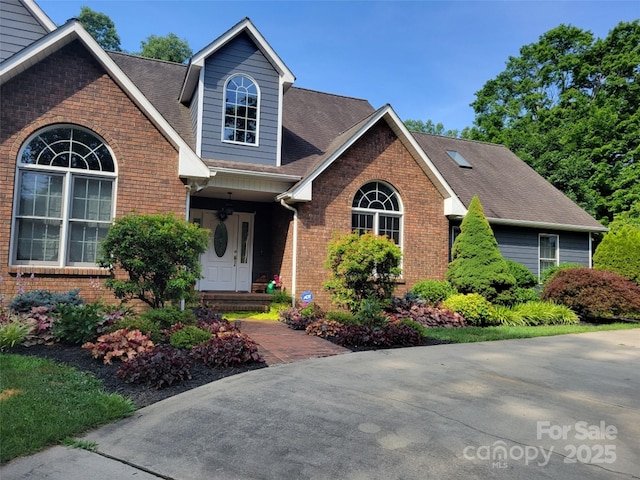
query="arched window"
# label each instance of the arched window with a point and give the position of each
(377, 208)
(241, 110)
(64, 197)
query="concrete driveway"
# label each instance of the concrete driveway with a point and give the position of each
(565, 407)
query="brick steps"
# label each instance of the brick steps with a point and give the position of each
(236, 301)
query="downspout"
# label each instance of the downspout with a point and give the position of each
(590, 250)
(294, 256)
(187, 207)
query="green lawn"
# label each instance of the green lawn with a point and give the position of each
(42, 403)
(484, 334)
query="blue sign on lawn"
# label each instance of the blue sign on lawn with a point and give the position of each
(306, 296)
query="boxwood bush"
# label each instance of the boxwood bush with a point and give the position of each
(594, 294)
(433, 291)
(475, 309)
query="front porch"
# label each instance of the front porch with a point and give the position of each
(236, 301)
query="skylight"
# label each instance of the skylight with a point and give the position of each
(459, 159)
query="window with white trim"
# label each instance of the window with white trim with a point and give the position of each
(377, 208)
(64, 197)
(241, 110)
(548, 251)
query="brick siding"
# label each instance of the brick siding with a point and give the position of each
(69, 86)
(379, 155)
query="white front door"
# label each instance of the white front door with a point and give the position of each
(226, 265)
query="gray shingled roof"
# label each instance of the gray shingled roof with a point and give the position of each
(507, 187)
(316, 123)
(160, 82)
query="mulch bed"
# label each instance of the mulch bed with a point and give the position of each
(142, 395)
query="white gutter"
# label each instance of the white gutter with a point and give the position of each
(294, 256)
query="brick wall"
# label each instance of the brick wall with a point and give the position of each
(379, 155)
(71, 87)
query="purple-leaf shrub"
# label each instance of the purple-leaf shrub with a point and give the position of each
(159, 368)
(227, 349)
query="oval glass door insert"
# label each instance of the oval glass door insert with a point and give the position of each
(220, 239)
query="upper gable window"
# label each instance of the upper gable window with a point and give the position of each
(64, 197)
(376, 208)
(241, 110)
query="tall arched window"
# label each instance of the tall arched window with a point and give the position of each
(377, 208)
(241, 110)
(64, 200)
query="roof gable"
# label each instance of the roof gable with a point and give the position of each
(190, 165)
(302, 191)
(511, 192)
(196, 64)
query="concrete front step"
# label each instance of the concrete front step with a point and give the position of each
(236, 301)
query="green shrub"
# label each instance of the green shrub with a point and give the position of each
(167, 316)
(433, 291)
(13, 332)
(545, 313)
(362, 267)
(475, 309)
(517, 295)
(503, 315)
(281, 296)
(370, 314)
(477, 266)
(594, 294)
(44, 298)
(524, 277)
(546, 275)
(79, 324)
(147, 326)
(188, 337)
(160, 253)
(619, 252)
(344, 318)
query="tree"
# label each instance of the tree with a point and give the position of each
(477, 266)
(569, 105)
(434, 128)
(101, 28)
(160, 254)
(619, 251)
(169, 48)
(363, 267)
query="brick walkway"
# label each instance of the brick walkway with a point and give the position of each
(281, 344)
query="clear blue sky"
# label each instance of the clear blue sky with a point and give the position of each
(425, 58)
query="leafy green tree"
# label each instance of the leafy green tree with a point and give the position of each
(363, 267)
(477, 266)
(430, 127)
(101, 28)
(160, 254)
(169, 48)
(569, 106)
(619, 251)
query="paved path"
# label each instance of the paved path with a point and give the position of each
(565, 407)
(281, 344)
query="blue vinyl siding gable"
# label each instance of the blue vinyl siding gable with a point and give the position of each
(240, 56)
(18, 28)
(521, 245)
(193, 113)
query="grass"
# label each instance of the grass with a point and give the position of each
(504, 332)
(272, 314)
(43, 403)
